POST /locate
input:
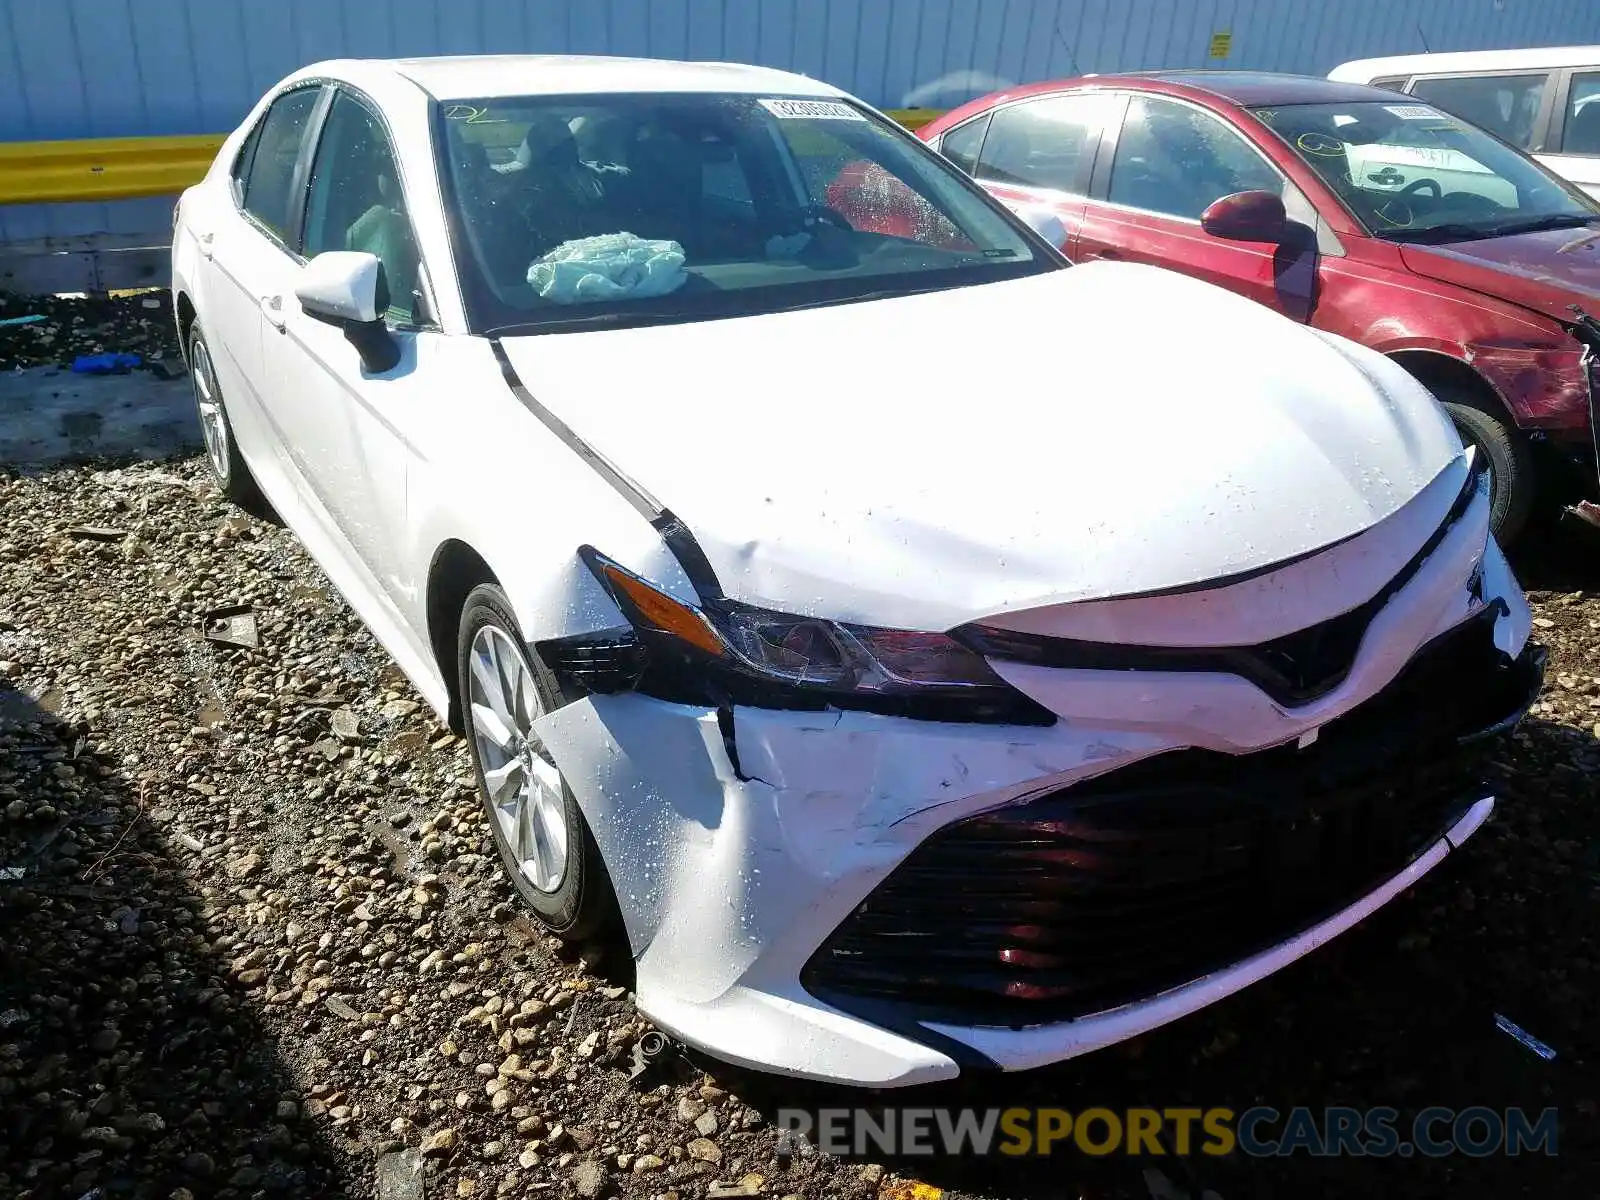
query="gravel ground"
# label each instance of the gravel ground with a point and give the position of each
(135, 324)
(261, 940)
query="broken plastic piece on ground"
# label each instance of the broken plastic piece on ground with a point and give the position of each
(1507, 1026)
(27, 320)
(652, 1053)
(399, 1176)
(235, 625)
(345, 724)
(12, 874)
(97, 533)
(114, 363)
(725, 1191)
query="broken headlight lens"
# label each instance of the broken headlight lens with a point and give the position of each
(810, 652)
(737, 652)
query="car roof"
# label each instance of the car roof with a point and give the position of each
(1254, 87)
(464, 77)
(1533, 58)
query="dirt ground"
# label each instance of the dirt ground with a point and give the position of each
(259, 939)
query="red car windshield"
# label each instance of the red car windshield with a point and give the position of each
(1410, 172)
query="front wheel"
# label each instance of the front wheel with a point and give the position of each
(548, 851)
(1505, 451)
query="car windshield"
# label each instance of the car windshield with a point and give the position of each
(1411, 173)
(576, 211)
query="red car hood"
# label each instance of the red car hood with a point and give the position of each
(1545, 271)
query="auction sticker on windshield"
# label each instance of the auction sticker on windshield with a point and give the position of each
(1414, 112)
(827, 110)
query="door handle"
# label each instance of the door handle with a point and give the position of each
(272, 309)
(205, 240)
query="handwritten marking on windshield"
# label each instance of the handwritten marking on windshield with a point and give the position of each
(471, 115)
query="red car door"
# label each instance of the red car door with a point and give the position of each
(1160, 170)
(1036, 153)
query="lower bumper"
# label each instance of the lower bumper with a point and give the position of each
(775, 1032)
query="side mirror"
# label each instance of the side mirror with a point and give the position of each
(1246, 217)
(347, 289)
(1045, 223)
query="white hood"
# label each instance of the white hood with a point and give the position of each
(1090, 433)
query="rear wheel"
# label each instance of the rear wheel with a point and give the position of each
(1505, 450)
(227, 465)
(548, 851)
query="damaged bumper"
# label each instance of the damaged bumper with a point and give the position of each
(1587, 511)
(877, 900)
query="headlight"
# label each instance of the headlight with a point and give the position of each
(730, 652)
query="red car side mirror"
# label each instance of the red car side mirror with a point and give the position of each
(1246, 217)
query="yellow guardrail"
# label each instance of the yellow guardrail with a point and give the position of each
(102, 168)
(126, 168)
(915, 118)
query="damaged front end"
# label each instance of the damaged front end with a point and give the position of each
(1159, 873)
(1586, 329)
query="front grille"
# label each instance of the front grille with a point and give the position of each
(1161, 872)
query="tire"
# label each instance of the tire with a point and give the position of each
(228, 467)
(580, 905)
(1510, 460)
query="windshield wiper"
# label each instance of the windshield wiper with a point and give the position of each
(1433, 234)
(589, 320)
(1549, 221)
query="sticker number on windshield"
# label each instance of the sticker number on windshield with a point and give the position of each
(815, 110)
(1414, 112)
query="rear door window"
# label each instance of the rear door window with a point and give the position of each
(1047, 143)
(1581, 130)
(1506, 105)
(269, 183)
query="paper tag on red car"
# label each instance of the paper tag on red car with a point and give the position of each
(1414, 112)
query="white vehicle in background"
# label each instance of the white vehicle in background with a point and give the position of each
(1544, 101)
(919, 653)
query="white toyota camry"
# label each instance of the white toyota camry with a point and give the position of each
(925, 654)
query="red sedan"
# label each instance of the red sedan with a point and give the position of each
(1361, 212)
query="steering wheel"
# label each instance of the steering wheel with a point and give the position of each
(1417, 186)
(1471, 203)
(821, 214)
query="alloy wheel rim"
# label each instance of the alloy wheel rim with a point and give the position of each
(523, 783)
(212, 426)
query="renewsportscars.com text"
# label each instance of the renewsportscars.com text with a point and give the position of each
(1434, 1132)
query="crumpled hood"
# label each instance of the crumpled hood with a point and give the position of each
(1545, 271)
(1100, 431)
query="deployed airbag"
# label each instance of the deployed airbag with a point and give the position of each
(610, 266)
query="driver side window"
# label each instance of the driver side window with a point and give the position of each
(356, 202)
(1177, 160)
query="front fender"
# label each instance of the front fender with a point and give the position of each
(487, 473)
